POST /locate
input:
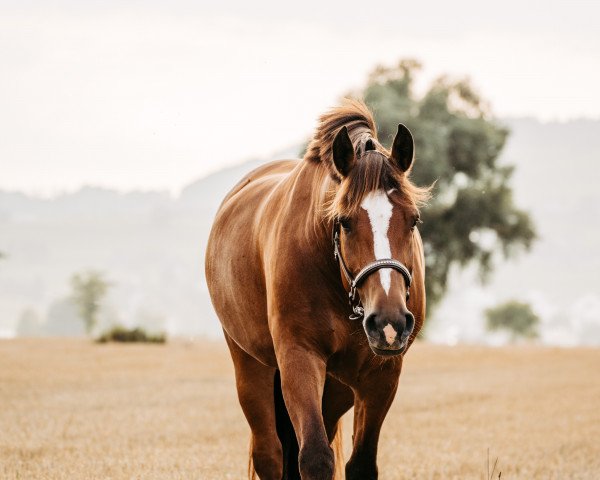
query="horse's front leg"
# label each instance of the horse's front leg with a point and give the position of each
(303, 375)
(372, 401)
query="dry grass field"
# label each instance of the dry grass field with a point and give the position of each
(70, 409)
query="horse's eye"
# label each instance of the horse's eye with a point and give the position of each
(345, 223)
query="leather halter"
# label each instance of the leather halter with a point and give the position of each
(354, 282)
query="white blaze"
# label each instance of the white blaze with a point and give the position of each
(379, 209)
(390, 334)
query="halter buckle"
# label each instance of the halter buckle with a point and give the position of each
(352, 294)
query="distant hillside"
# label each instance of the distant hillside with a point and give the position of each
(556, 178)
(151, 245)
(557, 167)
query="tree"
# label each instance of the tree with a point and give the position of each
(63, 319)
(472, 214)
(89, 288)
(29, 324)
(515, 317)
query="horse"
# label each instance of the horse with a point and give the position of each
(315, 268)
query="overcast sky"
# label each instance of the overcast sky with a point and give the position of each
(153, 94)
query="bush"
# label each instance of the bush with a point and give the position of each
(515, 317)
(119, 333)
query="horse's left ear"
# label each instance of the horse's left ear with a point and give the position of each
(343, 152)
(403, 148)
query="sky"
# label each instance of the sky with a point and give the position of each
(153, 95)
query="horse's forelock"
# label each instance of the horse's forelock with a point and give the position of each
(371, 173)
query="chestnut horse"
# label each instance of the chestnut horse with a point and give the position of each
(289, 244)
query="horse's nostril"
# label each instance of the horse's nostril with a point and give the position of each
(371, 325)
(410, 323)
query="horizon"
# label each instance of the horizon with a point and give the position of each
(176, 193)
(140, 240)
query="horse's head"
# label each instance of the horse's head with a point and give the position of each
(375, 207)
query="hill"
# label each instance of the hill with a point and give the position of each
(151, 245)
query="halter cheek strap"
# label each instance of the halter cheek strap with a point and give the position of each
(354, 282)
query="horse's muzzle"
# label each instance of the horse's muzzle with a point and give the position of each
(388, 334)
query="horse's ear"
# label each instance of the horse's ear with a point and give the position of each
(403, 148)
(343, 152)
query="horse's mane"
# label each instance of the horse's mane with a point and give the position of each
(373, 170)
(355, 115)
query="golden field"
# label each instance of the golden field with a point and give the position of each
(71, 409)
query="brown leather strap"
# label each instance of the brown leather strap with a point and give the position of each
(372, 267)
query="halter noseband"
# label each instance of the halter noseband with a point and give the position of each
(354, 282)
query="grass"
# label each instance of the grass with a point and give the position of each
(490, 475)
(74, 409)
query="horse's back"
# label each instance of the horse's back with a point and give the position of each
(234, 269)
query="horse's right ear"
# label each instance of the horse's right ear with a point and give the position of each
(403, 148)
(343, 152)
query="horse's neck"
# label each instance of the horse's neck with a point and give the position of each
(297, 207)
(310, 187)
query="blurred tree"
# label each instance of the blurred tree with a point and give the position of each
(29, 324)
(63, 319)
(472, 214)
(515, 317)
(89, 288)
